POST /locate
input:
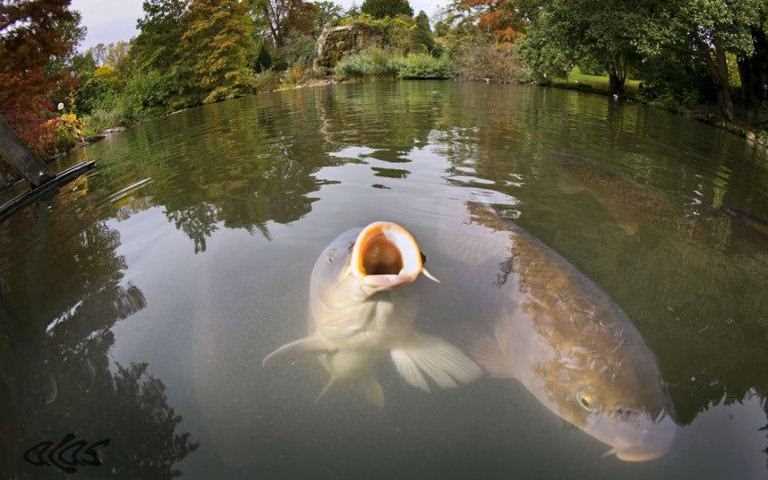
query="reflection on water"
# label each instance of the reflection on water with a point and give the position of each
(127, 309)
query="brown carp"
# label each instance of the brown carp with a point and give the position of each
(360, 311)
(573, 348)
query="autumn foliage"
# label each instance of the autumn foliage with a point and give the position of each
(497, 17)
(35, 38)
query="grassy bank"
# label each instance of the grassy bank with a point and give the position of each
(576, 80)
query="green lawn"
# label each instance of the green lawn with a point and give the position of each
(598, 83)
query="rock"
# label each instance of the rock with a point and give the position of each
(110, 131)
(94, 138)
(337, 42)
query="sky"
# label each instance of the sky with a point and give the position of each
(112, 20)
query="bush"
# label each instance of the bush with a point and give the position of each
(295, 74)
(100, 119)
(298, 49)
(144, 93)
(490, 61)
(266, 80)
(424, 66)
(372, 62)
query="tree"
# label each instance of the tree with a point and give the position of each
(387, 8)
(504, 19)
(328, 13)
(276, 15)
(708, 30)
(422, 35)
(753, 69)
(564, 32)
(217, 49)
(718, 27)
(160, 30)
(36, 39)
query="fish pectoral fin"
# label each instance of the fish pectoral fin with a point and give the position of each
(445, 364)
(325, 389)
(298, 348)
(609, 453)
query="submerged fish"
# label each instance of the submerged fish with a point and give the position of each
(573, 348)
(360, 310)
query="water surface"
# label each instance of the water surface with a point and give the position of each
(137, 304)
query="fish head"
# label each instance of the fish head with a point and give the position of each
(385, 256)
(634, 434)
(636, 430)
(617, 396)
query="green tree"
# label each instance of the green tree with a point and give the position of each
(719, 27)
(217, 49)
(160, 30)
(422, 35)
(387, 8)
(708, 31)
(328, 13)
(565, 32)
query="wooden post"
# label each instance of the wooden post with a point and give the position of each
(13, 152)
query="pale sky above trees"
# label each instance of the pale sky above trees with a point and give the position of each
(112, 20)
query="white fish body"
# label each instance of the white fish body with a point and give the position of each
(359, 312)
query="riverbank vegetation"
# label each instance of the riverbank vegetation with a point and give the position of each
(704, 56)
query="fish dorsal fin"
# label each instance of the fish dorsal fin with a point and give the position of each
(297, 349)
(443, 363)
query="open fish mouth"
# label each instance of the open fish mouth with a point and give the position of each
(386, 255)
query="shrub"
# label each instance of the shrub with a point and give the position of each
(100, 119)
(295, 74)
(424, 66)
(490, 61)
(372, 62)
(266, 80)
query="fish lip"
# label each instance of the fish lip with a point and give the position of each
(639, 455)
(402, 240)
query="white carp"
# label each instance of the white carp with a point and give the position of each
(359, 313)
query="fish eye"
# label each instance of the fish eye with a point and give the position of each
(586, 401)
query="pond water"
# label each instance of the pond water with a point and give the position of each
(138, 303)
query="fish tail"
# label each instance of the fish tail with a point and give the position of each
(368, 385)
(443, 363)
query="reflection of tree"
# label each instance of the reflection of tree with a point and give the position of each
(61, 294)
(247, 163)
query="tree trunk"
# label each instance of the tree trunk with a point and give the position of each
(753, 70)
(747, 80)
(13, 152)
(724, 95)
(617, 77)
(617, 84)
(718, 70)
